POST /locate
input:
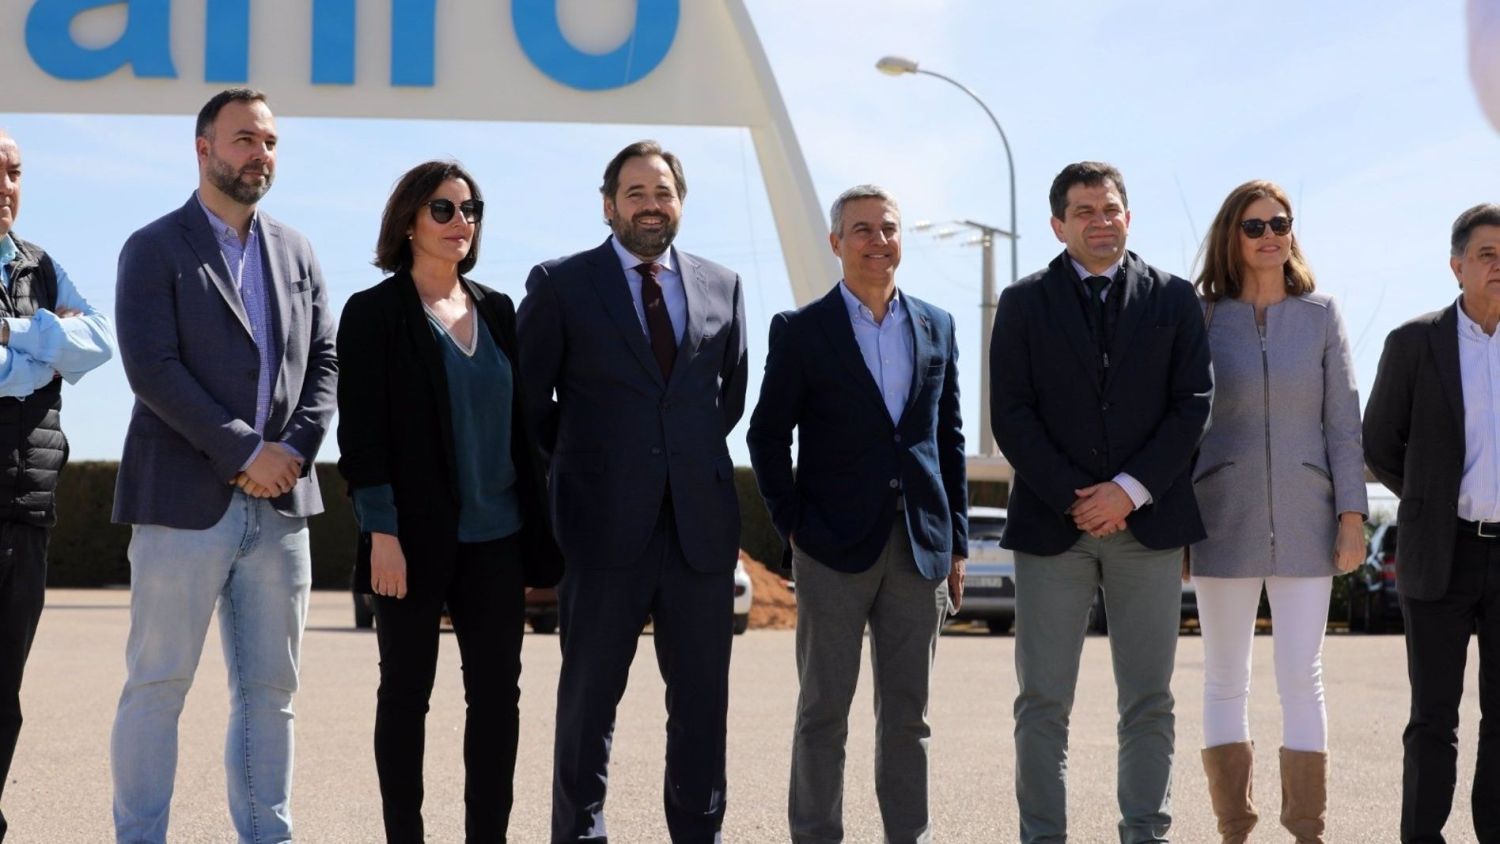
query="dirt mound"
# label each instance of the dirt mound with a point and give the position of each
(772, 605)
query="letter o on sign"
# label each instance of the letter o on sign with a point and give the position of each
(542, 40)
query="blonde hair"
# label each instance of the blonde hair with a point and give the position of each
(1220, 257)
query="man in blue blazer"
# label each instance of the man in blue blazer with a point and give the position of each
(228, 344)
(874, 520)
(634, 361)
(1100, 393)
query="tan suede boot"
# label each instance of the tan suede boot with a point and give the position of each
(1230, 770)
(1304, 793)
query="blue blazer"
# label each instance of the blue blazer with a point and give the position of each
(188, 353)
(616, 435)
(1061, 429)
(851, 459)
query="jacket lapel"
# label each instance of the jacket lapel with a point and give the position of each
(200, 236)
(1132, 307)
(1067, 312)
(419, 334)
(924, 347)
(695, 289)
(1444, 340)
(608, 278)
(834, 316)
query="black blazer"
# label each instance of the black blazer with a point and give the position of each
(851, 457)
(1414, 444)
(1062, 431)
(395, 426)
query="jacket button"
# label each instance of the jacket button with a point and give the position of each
(895, 484)
(1093, 452)
(898, 438)
(1104, 406)
(656, 449)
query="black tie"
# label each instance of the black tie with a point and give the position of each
(658, 322)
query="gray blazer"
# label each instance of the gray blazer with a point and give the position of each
(616, 434)
(188, 353)
(1282, 457)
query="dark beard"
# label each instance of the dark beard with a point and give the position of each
(641, 243)
(228, 181)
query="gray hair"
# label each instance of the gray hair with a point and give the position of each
(836, 214)
(1483, 214)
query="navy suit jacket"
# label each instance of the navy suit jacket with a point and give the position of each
(188, 353)
(1062, 430)
(616, 434)
(851, 458)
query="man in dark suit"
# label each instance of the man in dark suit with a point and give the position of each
(1430, 436)
(228, 344)
(1100, 393)
(634, 361)
(875, 519)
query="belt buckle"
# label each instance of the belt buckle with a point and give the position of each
(1479, 529)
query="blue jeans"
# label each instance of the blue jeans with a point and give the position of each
(255, 564)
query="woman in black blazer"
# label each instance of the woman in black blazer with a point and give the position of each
(448, 491)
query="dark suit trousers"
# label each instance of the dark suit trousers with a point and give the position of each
(23, 585)
(484, 589)
(602, 614)
(1437, 646)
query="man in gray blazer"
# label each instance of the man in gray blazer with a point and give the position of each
(228, 343)
(634, 360)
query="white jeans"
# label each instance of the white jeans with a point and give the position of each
(1226, 614)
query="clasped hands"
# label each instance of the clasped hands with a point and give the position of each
(1101, 509)
(273, 472)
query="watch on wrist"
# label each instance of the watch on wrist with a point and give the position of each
(4, 332)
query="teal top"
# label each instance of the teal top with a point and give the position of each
(480, 389)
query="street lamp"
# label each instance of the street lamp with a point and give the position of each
(897, 66)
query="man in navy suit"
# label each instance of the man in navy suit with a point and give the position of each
(634, 360)
(874, 520)
(1100, 393)
(228, 344)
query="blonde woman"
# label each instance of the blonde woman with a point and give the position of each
(1280, 483)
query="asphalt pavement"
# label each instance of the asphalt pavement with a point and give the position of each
(60, 788)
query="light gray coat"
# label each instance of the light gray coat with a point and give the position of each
(1282, 457)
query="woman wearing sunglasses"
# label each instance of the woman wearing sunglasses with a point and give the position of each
(1280, 483)
(448, 491)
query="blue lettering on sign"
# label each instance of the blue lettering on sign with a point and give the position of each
(543, 42)
(146, 44)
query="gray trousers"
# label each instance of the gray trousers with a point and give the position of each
(1143, 602)
(905, 612)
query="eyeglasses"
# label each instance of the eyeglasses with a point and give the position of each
(442, 210)
(1255, 228)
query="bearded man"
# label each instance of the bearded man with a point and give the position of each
(634, 361)
(228, 343)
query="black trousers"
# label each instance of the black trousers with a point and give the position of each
(23, 588)
(602, 613)
(1437, 647)
(484, 589)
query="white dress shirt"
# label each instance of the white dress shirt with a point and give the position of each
(1479, 363)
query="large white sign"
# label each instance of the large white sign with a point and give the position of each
(689, 62)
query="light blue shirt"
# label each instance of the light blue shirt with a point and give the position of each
(672, 292)
(888, 347)
(1479, 364)
(43, 346)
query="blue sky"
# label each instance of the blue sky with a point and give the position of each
(1363, 111)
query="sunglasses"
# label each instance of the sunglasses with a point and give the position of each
(442, 210)
(1254, 228)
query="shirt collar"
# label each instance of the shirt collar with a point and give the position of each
(1468, 329)
(630, 262)
(8, 250)
(894, 311)
(1108, 273)
(224, 231)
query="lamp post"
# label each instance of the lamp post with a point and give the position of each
(896, 66)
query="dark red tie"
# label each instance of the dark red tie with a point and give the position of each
(658, 322)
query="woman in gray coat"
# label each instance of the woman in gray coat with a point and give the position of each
(1280, 483)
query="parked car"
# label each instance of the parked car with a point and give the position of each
(744, 591)
(1373, 604)
(990, 580)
